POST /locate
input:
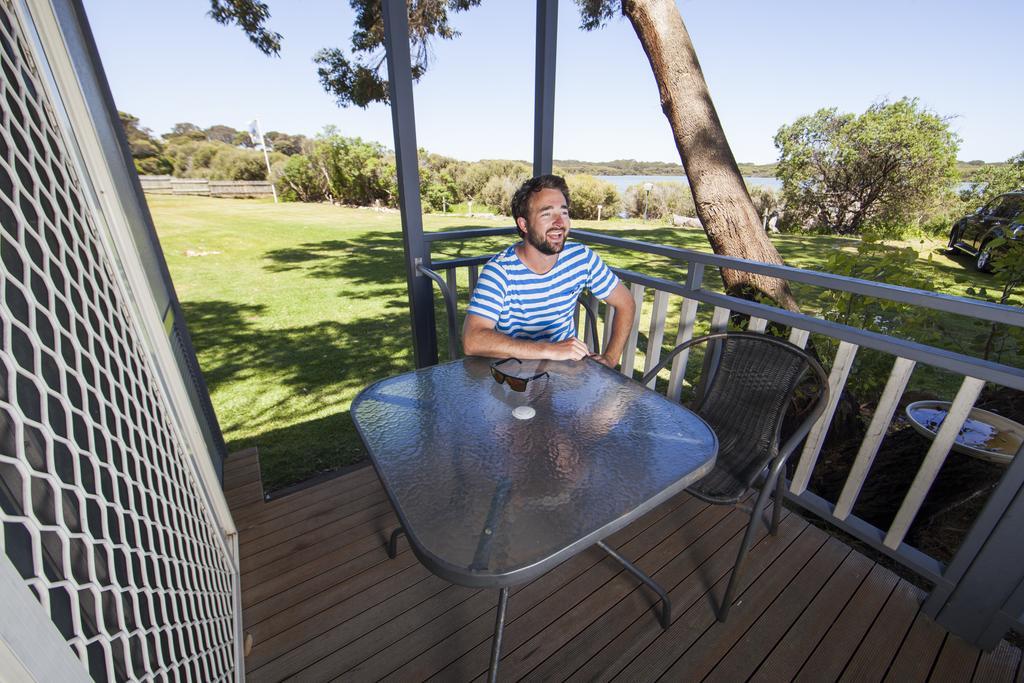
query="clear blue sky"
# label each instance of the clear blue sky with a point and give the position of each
(766, 64)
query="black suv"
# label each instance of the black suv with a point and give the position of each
(1001, 217)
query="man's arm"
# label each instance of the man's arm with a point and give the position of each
(479, 338)
(622, 303)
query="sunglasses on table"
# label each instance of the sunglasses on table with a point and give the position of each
(514, 383)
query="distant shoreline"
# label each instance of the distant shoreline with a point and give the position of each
(631, 167)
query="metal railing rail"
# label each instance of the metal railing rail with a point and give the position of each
(907, 355)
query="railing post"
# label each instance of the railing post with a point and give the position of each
(987, 572)
(403, 120)
(544, 86)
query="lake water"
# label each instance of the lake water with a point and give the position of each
(621, 182)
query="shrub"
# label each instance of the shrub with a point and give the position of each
(666, 199)
(766, 200)
(991, 181)
(300, 182)
(587, 192)
(476, 175)
(237, 164)
(498, 191)
(439, 188)
(887, 167)
(356, 172)
(876, 261)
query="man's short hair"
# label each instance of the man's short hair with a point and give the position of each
(521, 199)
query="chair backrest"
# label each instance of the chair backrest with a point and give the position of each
(585, 300)
(747, 387)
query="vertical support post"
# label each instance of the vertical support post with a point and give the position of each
(403, 120)
(987, 572)
(544, 84)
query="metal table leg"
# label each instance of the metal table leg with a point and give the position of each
(393, 542)
(499, 629)
(666, 604)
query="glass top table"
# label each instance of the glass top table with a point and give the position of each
(494, 487)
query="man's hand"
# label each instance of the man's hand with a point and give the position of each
(569, 349)
(479, 338)
(603, 360)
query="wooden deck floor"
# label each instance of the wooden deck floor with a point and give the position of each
(322, 601)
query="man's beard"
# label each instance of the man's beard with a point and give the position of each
(543, 246)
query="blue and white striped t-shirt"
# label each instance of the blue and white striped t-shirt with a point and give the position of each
(526, 305)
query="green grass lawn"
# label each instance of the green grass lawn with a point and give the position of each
(294, 308)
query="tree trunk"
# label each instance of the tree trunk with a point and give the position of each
(723, 203)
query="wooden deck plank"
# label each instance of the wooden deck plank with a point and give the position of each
(315, 578)
(606, 580)
(740, 661)
(322, 600)
(658, 659)
(789, 655)
(383, 663)
(479, 631)
(1001, 664)
(311, 639)
(316, 510)
(275, 577)
(693, 553)
(253, 514)
(241, 468)
(829, 659)
(311, 520)
(289, 547)
(250, 493)
(957, 661)
(917, 655)
(546, 642)
(879, 646)
(295, 611)
(693, 589)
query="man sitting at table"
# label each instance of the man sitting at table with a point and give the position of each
(526, 295)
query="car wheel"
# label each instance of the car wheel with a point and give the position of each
(984, 262)
(951, 247)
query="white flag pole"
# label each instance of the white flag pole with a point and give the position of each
(257, 137)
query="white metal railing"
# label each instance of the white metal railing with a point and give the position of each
(691, 297)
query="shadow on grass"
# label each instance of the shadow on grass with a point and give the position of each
(371, 259)
(319, 360)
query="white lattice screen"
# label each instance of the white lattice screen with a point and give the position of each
(101, 513)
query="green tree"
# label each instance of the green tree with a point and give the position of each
(843, 172)
(356, 172)
(250, 16)
(439, 180)
(284, 143)
(729, 217)
(221, 133)
(216, 160)
(187, 131)
(147, 151)
(994, 180)
(301, 181)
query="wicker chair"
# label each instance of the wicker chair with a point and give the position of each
(747, 384)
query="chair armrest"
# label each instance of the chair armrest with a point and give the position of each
(449, 304)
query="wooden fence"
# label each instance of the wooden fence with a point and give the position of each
(165, 184)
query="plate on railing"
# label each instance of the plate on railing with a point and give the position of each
(984, 435)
